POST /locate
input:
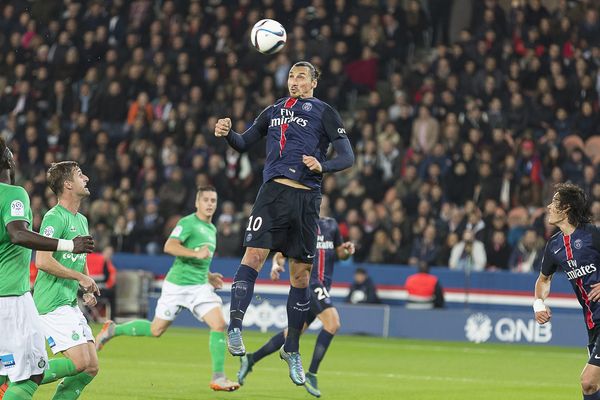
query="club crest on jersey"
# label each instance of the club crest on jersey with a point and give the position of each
(49, 231)
(288, 117)
(307, 106)
(578, 243)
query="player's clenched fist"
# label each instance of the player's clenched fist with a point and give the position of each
(312, 163)
(222, 127)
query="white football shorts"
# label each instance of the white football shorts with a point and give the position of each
(66, 327)
(199, 299)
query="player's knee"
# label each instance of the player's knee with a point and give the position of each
(300, 279)
(589, 385)
(332, 326)
(92, 369)
(157, 331)
(81, 364)
(254, 259)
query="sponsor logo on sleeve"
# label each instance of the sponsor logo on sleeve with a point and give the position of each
(177, 231)
(17, 209)
(49, 231)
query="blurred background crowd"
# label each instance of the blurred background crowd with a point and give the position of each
(463, 115)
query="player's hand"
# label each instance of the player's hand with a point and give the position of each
(543, 316)
(349, 247)
(594, 294)
(83, 244)
(276, 270)
(203, 253)
(222, 127)
(312, 163)
(89, 285)
(89, 299)
(215, 279)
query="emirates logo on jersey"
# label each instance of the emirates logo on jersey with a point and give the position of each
(287, 117)
(578, 272)
(323, 244)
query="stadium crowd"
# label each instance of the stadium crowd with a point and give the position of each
(458, 144)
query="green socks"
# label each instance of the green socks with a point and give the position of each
(72, 386)
(23, 390)
(139, 327)
(58, 368)
(216, 345)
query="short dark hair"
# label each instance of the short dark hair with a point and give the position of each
(5, 155)
(60, 172)
(315, 74)
(360, 270)
(573, 199)
(205, 188)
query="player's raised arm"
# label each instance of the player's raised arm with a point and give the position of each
(21, 235)
(332, 122)
(242, 142)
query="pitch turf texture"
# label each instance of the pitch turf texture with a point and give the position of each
(177, 366)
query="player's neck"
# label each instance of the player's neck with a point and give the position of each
(70, 203)
(566, 228)
(203, 218)
(5, 177)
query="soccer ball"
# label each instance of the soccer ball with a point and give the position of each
(268, 36)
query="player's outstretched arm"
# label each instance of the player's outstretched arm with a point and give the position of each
(175, 248)
(345, 250)
(242, 142)
(278, 266)
(21, 235)
(542, 291)
(45, 262)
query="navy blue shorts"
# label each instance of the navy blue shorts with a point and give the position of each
(285, 219)
(594, 345)
(319, 301)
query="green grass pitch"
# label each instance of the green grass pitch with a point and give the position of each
(177, 366)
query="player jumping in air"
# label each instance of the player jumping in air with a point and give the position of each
(575, 250)
(298, 130)
(189, 284)
(57, 283)
(329, 246)
(23, 357)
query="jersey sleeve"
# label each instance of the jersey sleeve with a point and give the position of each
(181, 231)
(549, 265)
(52, 226)
(333, 125)
(242, 142)
(15, 206)
(337, 236)
(595, 237)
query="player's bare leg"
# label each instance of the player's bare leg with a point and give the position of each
(331, 324)
(590, 382)
(214, 319)
(139, 327)
(241, 295)
(298, 306)
(86, 361)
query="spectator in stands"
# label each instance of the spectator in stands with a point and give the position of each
(468, 254)
(498, 252)
(425, 248)
(424, 290)
(527, 255)
(362, 289)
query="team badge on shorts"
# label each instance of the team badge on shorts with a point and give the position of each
(41, 363)
(248, 237)
(75, 336)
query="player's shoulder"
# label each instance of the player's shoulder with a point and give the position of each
(12, 190)
(590, 228)
(190, 218)
(556, 238)
(279, 102)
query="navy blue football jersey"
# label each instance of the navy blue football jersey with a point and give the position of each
(578, 256)
(294, 127)
(328, 238)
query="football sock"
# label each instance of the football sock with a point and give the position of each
(270, 347)
(23, 390)
(241, 295)
(594, 396)
(139, 327)
(71, 387)
(58, 368)
(297, 308)
(321, 346)
(3, 379)
(216, 346)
